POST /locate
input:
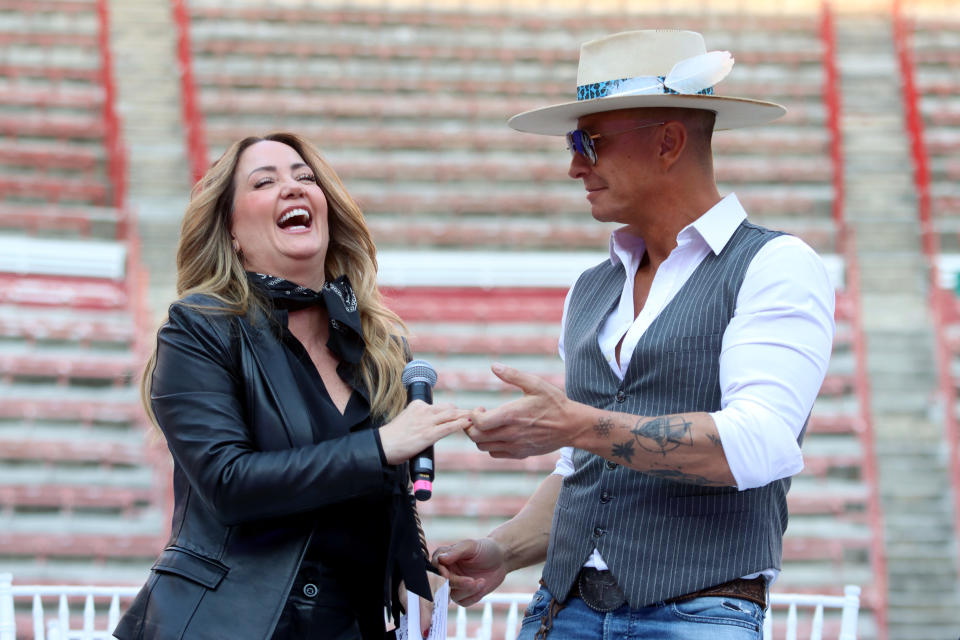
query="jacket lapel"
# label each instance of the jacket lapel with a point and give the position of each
(277, 380)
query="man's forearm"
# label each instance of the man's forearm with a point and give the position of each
(525, 537)
(683, 447)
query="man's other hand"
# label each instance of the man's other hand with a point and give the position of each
(473, 567)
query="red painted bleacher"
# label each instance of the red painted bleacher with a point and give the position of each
(81, 481)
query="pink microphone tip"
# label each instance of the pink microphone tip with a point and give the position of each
(422, 489)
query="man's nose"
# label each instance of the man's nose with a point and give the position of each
(579, 166)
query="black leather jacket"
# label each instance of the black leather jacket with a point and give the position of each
(248, 479)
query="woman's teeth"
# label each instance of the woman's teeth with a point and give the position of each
(293, 217)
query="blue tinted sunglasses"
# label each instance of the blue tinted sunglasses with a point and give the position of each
(580, 141)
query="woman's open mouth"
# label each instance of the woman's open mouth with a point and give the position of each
(295, 219)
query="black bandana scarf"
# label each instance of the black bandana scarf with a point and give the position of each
(337, 297)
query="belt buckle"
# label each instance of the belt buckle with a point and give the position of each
(599, 590)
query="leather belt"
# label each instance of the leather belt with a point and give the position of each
(754, 590)
(600, 591)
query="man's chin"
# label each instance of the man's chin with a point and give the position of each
(602, 215)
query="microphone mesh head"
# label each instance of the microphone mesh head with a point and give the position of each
(419, 371)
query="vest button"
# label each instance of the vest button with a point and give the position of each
(310, 590)
(611, 465)
(605, 497)
(597, 532)
(621, 396)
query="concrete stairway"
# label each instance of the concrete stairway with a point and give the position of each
(881, 213)
(144, 42)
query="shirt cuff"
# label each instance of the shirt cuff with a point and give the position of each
(376, 438)
(759, 447)
(564, 466)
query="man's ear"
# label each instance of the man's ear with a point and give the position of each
(673, 140)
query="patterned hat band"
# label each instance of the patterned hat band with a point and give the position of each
(639, 86)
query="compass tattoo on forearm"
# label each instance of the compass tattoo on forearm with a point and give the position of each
(657, 435)
(663, 434)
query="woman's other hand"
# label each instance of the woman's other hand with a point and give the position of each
(426, 607)
(418, 426)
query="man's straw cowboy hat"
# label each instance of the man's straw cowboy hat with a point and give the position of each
(651, 68)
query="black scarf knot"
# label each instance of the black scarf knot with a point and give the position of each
(337, 297)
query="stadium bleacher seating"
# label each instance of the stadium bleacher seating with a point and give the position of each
(927, 47)
(83, 487)
(932, 44)
(410, 107)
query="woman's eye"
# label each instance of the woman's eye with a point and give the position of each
(261, 182)
(307, 176)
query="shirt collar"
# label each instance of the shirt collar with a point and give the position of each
(715, 227)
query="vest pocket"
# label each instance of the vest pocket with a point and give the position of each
(723, 501)
(191, 565)
(706, 342)
(688, 372)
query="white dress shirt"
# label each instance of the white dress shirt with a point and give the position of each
(774, 353)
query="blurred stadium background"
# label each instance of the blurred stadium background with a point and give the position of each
(110, 109)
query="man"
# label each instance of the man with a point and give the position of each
(693, 357)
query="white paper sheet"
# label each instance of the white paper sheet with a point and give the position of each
(409, 627)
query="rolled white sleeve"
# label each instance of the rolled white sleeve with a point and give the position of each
(773, 360)
(564, 466)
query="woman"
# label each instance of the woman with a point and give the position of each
(276, 382)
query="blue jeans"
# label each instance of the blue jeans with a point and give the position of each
(706, 618)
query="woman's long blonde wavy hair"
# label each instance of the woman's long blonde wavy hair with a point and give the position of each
(207, 263)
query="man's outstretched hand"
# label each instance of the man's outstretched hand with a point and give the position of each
(537, 423)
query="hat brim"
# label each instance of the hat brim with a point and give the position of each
(732, 113)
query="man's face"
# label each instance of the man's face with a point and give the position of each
(620, 183)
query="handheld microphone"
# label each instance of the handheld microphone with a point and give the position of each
(419, 378)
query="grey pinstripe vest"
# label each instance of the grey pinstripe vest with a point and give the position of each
(660, 538)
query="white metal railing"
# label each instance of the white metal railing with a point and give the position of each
(57, 627)
(515, 603)
(848, 603)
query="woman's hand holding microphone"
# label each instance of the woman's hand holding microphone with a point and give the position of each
(418, 426)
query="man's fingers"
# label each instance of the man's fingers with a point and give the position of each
(501, 416)
(488, 437)
(501, 450)
(466, 591)
(476, 433)
(434, 558)
(528, 383)
(491, 442)
(449, 555)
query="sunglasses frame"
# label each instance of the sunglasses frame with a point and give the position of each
(581, 141)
